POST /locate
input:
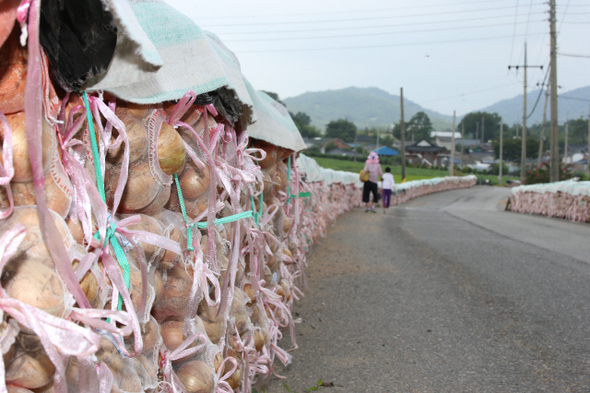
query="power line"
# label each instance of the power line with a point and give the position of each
(540, 93)
(382, 46)
(470, 93)
(514, 31)
(573, 55)
(447, 5)
(372, 26)
(359, 19)
(574, 98)
(369, 34)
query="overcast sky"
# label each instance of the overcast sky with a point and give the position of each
(446, 54)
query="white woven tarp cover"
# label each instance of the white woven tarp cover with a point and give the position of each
(315, 173)
(571, 187)
(161, 54)
(273, 122)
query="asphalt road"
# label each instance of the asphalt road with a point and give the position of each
(447, 293)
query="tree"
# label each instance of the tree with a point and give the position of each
(491, 125)
(578, 131)
(513, 148)
(275, 97)
(342, 129)
(303, 123)
(420, 126)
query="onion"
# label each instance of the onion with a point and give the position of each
(34, 283)
(176, 293)
(13, 61)
(172, 335)
(171, 258)
(151, 225)
(89, 285)
(197, 377)
(30, 369)
(141, 188)
(23, 172)
(158, 286)
(171, 152)
(215, 325)
(272, 153)
(150, 334)
(128, 380)
(194, 182)
(109, 355)
(17, 389)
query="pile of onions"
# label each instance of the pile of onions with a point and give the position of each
(137, 288)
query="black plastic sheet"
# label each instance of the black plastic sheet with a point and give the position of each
(78, 38)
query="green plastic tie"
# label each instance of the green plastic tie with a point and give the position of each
(93, 143)
(189, 226)
(225, 220)
(202, 225)
(293, 196)
(110, 234)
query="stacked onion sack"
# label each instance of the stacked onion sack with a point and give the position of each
(142, 247)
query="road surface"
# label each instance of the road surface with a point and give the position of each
(446, 293)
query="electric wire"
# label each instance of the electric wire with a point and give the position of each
(381, 46)
(451, 21)
(358, 19)
(540, 94)
(355, 11)
(369, 34)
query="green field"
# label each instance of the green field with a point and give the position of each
(411, 173)
(396, 170)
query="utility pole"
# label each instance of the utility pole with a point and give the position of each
(554, 174)
(517, 125)
(377, 140)
(524, 116)
(589, 141)
(452, 170)
(477, 131)
(501, 151)
(463, 139)
(482, 130)
(403, 132)
(565, 144)
(541, 150)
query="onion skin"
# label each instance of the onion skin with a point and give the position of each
(196, 376)
(23, 172)
(13, 61)
(171, 332)
(176, 293)
(36, 284)
(171, 151)
(30, 369)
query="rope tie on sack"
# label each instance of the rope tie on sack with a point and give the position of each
(111, 229)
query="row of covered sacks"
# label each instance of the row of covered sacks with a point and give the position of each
(568, 199)
(159, 54)
(315, 173)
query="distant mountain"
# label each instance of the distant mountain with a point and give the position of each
(365, 107)
(373, 107)
(571, 105)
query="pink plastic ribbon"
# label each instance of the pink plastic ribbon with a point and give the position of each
(169, 376)
(7, 169)
(181, 107)
(33, 124)
(222, 385)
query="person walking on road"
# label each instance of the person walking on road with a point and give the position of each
(373, 168)
(388, 185)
